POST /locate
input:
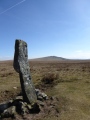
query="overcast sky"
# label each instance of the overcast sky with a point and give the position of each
(50, 27)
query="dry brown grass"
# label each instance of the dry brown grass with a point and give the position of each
(68, 81)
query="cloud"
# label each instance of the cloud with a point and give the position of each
(12, 7)
(80, 54)
(6, 58)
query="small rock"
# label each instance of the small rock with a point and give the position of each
(13, 110)
(41, 95)
(19, 98)
(44, 96)
(4, 106)
(37, 90)
(10, 101)
(29, 106)
(14, 87)
(9, 112)
(21, 107)
(40, 98)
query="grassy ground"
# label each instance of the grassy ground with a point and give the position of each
(69, 82)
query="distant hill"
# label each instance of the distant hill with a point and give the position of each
(49, 58)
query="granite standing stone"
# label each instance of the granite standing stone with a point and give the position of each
(21, 65)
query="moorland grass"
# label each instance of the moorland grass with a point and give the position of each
(68, 81)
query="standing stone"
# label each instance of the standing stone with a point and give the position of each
(21, 65)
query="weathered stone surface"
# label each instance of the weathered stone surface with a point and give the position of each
(21, 65)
